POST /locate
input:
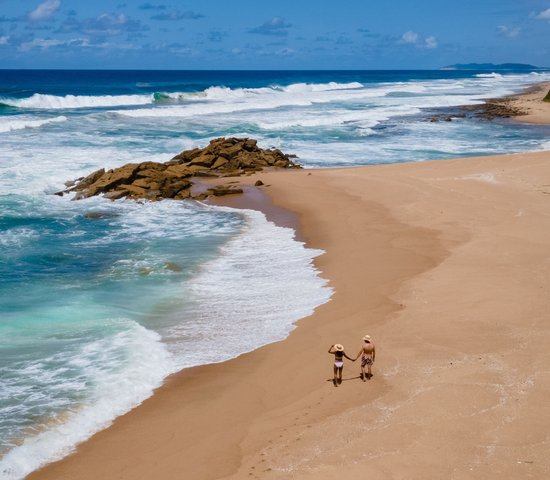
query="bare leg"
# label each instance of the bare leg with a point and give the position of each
(370, 373)
(363, 375)
(335, 379)
(340, 374)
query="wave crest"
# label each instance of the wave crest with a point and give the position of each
(9, 125)
(41, 101)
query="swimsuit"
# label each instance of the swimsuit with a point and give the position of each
(366, 360)
(339, 359)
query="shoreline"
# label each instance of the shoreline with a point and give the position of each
(234, 447)
(274, 408)
(531, 101)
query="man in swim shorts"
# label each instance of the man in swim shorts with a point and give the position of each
(367, 354)
(338, 351)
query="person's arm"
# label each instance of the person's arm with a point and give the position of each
(373, 353)
(352, 359)
(330, 349)
(359, 354)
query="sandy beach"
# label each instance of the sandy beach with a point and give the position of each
(445, 265)
(537, 111)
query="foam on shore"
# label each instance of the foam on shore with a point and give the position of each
(217, 321)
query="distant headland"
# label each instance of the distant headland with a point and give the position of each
(491, 66)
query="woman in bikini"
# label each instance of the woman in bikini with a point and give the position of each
(338, 351)
(367, 354)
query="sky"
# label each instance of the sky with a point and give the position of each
(264, 34)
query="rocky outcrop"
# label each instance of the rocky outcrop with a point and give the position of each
(493, 109)
(223, 157)
(547, 98)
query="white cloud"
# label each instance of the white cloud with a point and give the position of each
(4, 40)
(431, 42)
(409, 37)
(509, 32)
(413, 38)
(43, 43)
(45, 10)
(544, 15)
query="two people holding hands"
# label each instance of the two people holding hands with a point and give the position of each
(367, 354)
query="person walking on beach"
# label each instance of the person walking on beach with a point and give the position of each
(338, 351)
(367, 354)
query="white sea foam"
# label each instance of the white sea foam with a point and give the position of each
(218, 100)
(273, 284)
(321, 87)
(489, 75)
(8, 124)
(367, 118)
(53, 102)
(16, 237)
(118, 386)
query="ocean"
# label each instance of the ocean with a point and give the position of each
(96, 312)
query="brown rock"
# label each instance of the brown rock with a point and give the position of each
(258, 183)
(220, 190)
(183, 194)
(152, 166)
(153, 175)
(200, 196)
(170, 189)
(113, 178)
(133, 189)
(188, 154)
(96, 215)
(250, 144)
(178, 171)
(231, 151)
(146, 183)
(195, 168)
(204, 160)
(114, 194)
(220, 162)
(92, 178)
(223, 157)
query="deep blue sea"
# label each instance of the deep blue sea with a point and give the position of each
(96, 312)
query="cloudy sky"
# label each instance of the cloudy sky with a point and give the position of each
(286, 34)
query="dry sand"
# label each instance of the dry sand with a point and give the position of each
(532, 102)
(447, 265)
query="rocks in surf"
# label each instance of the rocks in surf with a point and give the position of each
(223, 157)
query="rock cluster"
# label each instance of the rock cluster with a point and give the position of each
(547, 98)
(446, 117)
(223, 157)
(498, 108)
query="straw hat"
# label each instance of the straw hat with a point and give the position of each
(338, 347)
(366, 338)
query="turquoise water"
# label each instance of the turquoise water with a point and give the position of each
(95, 312)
